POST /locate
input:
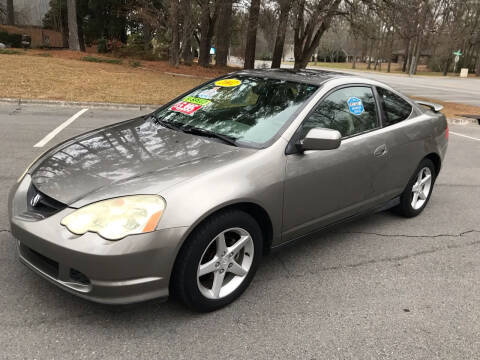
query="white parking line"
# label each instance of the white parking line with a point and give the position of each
(465, 136)
(59, 128)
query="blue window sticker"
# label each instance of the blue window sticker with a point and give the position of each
(355, 105)
(208, 94)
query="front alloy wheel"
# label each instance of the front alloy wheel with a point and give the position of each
(218, 261)
(225, 263)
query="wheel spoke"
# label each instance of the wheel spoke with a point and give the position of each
(208, 267)
(425, 179)
(415, 199)
(422, 195)
(419, 178)
(237, 269)
(217, 283)
(235, 248)
(221, 245)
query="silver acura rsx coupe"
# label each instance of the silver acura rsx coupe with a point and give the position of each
(187, 199)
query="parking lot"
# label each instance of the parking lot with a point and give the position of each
(379, 287)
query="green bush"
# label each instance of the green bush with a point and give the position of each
(102, 46)
(134, 63)
(12, 40)
(10, 52)
(100, 60)
(135, 52)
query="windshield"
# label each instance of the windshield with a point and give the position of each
(245, 108)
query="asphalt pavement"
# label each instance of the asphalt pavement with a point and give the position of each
(382, 287)
(451, 89)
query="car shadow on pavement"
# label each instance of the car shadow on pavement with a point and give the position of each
(46, 302)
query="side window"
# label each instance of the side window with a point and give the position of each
(350, 110)
(396, 109)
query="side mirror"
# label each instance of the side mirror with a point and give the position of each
(320, 139)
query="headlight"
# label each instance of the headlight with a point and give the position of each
(116, 218)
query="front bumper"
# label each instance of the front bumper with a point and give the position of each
(133, 269)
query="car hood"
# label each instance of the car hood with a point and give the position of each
(132, 157)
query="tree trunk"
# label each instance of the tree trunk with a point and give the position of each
(307, 36)
(64, 29)
(73, 40)
(390, 52)
(223, 32)
(354, 61)
(285, 7)
(81, 37)
(369, 65)
(252, 34)
(10, 13)
(416, 57)
(447, 65)
(301, 62)
(406, 55)
(173, 56)
(187, 33)
(206, 33)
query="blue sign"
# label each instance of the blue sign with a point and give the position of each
(355, 105)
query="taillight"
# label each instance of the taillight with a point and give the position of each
(447, 133)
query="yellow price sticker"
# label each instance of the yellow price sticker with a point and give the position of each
(228, 82)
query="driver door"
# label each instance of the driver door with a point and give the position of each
(325, 186)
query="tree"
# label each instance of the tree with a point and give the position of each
(73, 40)
(208, 19)
(223, 31)
(174, 54)
(252, 34)
(56, 19)
(285, 6)
(10, 13)
(308, 32)
(187, 32)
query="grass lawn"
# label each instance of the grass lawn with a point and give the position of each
(64, 76)
(452, 110)
(73, 76)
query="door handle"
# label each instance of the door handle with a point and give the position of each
(380, 151)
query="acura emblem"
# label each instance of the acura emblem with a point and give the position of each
(35, 200)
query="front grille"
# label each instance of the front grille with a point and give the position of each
(42, 204)
(43, 263)
(52, 268)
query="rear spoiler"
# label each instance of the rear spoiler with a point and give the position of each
(434, 107)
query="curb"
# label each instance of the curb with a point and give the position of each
(104, 105)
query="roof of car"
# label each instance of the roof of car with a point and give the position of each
(310, 76)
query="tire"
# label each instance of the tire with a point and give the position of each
(408, 207)
(202, 252)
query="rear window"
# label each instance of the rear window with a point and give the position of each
(249, 109)
(396, 109)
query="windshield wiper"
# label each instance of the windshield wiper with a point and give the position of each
(196, 131)
(204, 132)
(169, 124)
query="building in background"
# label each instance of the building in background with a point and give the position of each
(28, 12)
(28, 21)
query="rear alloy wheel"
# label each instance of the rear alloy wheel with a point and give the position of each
(417, 193)
(218, 261)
